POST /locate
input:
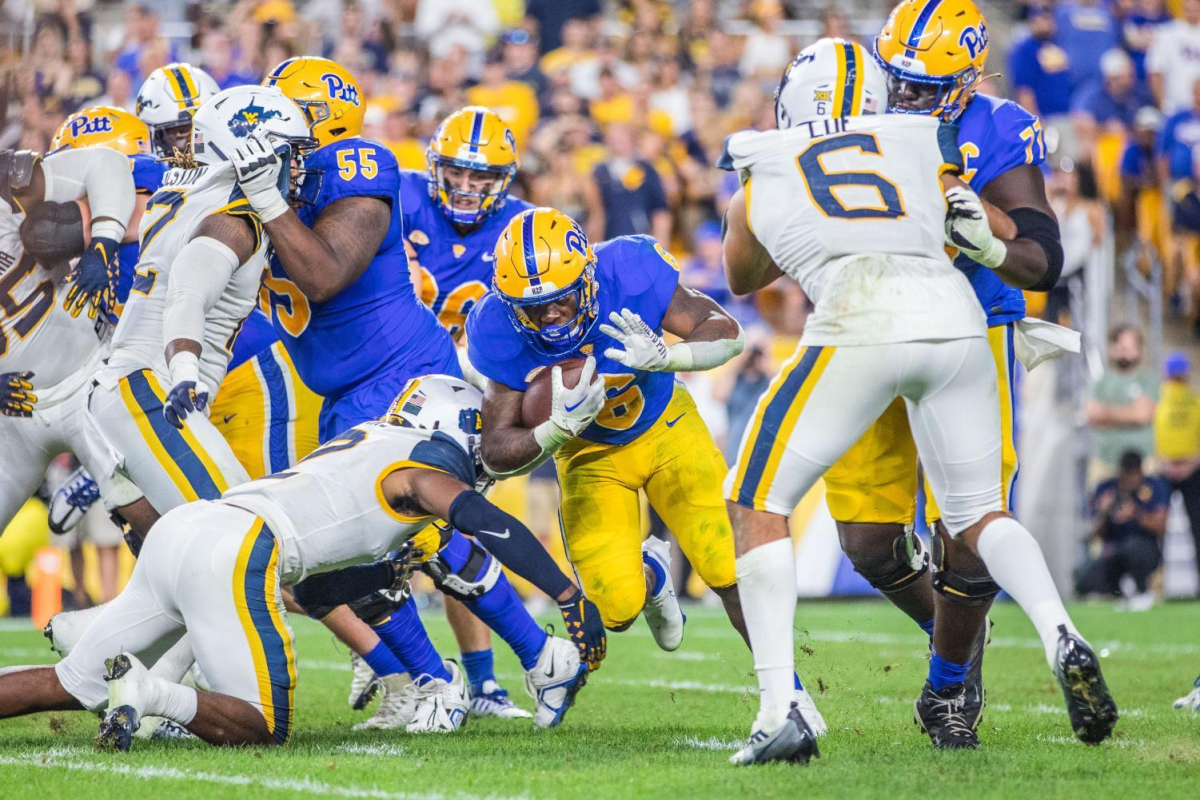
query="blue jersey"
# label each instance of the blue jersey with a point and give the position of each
(456, 269)
(358, 348)
(633, 272)
(147, 178)
(994, 136)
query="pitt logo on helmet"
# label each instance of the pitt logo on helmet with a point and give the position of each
(339, 89)
(326, 92)
(84, 125)
(103, 126)
(934, 52)
(543, 258)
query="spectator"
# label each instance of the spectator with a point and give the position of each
(753, 376)
(1183, 272)
(1039, 69)
(704, 270)
(626, 194)
(1084, 227)
(766, 51)
(217, 60)
(1140, 211)
(1107, 107)
(1177, 438)
(521, 61)
(1180, 135)
(1086, 31)
(1139, 29)
(142, 40)
(724, 67)
(1129, 514)
(515, 102)
(554, 16)
(446, 24)
(1173, 61)
(1121, 409)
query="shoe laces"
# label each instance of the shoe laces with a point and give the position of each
(950, 712)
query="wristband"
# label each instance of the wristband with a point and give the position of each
(550, 437)
(184, 366)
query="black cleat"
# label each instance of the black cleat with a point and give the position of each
(1091, 706)
(794, 743)
(950, 715)
(120, 722)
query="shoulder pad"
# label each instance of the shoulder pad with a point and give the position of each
(16, 171)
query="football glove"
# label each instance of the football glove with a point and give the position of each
(259, 165)
(571, 410)
(184, 398)
(644, 349)
(16, 394)
(584, 629)
(90, 281)
(968, 229)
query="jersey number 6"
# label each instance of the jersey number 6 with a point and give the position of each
(821, 184)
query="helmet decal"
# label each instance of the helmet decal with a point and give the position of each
(245, 120)
(83, 125)
(976, 41)
(339, 89)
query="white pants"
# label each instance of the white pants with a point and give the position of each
(170, 466)
(213, 569)
(28, 445)
(825, 398)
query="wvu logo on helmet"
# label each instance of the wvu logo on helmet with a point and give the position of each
(83, 126)
(245, 120)
(340, 89)
(976, 41)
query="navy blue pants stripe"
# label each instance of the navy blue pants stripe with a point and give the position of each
(277, 397)
(273, 645)
(171, 439)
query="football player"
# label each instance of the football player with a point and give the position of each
(217, 568)
(168, 100)
(894, 319)
(348, 313)
(453, 213)
(626, 426)
(933, 53)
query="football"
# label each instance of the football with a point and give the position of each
(535, 407)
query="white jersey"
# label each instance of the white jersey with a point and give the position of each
(328, 511)
(36, 333)
(853, 209)
(172, 216)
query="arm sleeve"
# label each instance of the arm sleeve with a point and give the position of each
(102, 176)
(199, 274)
(517, 548)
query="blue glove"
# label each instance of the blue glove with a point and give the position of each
(16, 394)
(584, 629)
(186, 397)
(91, 280)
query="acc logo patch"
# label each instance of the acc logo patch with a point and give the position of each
(245, 120)
(340, 90)
(418, 238)
(976, 41)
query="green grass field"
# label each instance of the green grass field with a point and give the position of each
(659, 725)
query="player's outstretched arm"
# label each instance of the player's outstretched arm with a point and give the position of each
(748, 265)
(198, 276)
(710, 336)
(1034, 258)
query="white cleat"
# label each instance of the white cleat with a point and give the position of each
(792, 742)
(1191, 700)
(128, 685)
(65, 629)
(493, 701)
(662, 611)
(397, 704)
(441, 706)
(808, 709)
(554, 681)
(363, 684)
(162, 728)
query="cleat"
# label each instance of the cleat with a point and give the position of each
(441, 706)
(65, 629)
(1091, 707)
(662, 611)
(161, 728)
(363, 685)
(554, 681)
(949, 715)
(494, 702)
(794, 743)
(125, 676)
(808, 709)
(72, 500)
(1190, 700)
(397, 704)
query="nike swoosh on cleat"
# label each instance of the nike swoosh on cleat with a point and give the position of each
(671, 424)
(504, 535)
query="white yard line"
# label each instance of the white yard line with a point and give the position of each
(711, 743)
(69, 760)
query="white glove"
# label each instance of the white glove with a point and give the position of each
(571, 410)
(968, 229)
(644, 349)
(257, 165)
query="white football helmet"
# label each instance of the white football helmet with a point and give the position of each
(449, 405)
(167, 102)
(228, 117)
(830, 78)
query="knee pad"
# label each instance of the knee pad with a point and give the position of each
(966, 590)
(903, 566)
(375, 607)
(53, 233)
(476, 577)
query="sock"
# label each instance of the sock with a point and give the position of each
(382, 662)
(799, 687)
(500, 609)
(1015, 562)
(174, 664)
(480, 667)
(927, 626)
(405, 636)
(766, 579)
(172, 701)
(660, 574)
(944, 673)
